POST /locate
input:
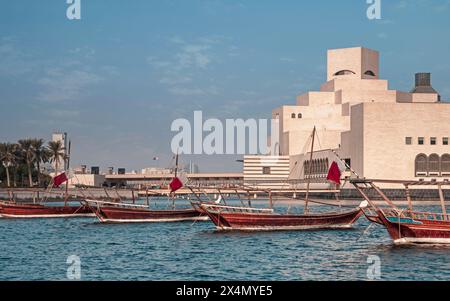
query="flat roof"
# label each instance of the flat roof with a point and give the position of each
(159, 176)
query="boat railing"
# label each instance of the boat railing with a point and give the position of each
(370, 212)
(222, 208)
(431, 216)
(116, 204)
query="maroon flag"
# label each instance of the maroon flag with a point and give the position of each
(334, 174)
(175, 184)
(58, 180)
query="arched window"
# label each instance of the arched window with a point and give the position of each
(421, 165)
(317, 169)
(300, 116)
(344, 72)
(324, 166)
(369, 72)
(445, 165)
(314, 167)
(293, 115)
(306, 168)
(434, 165)
(319, 166)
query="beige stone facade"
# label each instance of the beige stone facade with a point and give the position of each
(383, 133)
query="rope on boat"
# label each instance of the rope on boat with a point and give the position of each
(365, 231)
(399, 223)
(329, 204)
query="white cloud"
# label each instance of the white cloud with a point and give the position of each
(437, 6)
(174, 80)
(193, 55)
(287, 60)
(63, 85)
(186, 91)
(62, 114)
(402, 4)
(57, 79)
(442, 7)
(189, 61)
(13, 62)
(84, 52)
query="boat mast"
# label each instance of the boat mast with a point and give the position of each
(442, 199)
(67, 173)
(309, 170)
(176, 174)
(176, 165)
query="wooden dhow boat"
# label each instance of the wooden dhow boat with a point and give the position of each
(406, 226)
(15, 210)
(40, 208)
(119, 212)
(110, 212)
(254, 219)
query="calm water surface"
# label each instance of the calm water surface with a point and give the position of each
(38, 250)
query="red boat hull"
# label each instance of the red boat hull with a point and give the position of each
(113, 214)
(9, 210)
(245, 221)
(421, 231)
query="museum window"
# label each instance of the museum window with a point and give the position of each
(266, 170)
(434, 165)
(293, 115)
(421, 141)
(308, 168)
(433, 140)
(348, 163)
(445, 165)
(314, 167)
(369, 72)
(300, 116)
(408, 140)
(323, 166)
(421, 165)
(445, 141)
(344, 72)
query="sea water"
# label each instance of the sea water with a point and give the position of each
(38, 249)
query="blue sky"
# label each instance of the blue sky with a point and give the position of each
(117, 78)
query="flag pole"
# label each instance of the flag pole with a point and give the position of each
(345, 163)
(67, 169)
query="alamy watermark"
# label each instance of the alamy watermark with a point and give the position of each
(374, 9)
(74, 268)
(374, 269)
(232, 137)
(73, 11)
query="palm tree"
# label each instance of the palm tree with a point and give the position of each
(56, 153)
(42, 155)
(8, 158)
(27, 150)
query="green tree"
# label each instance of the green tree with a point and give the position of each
(42, 155)
(27, 151)
(8, 158)
(56, 153)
